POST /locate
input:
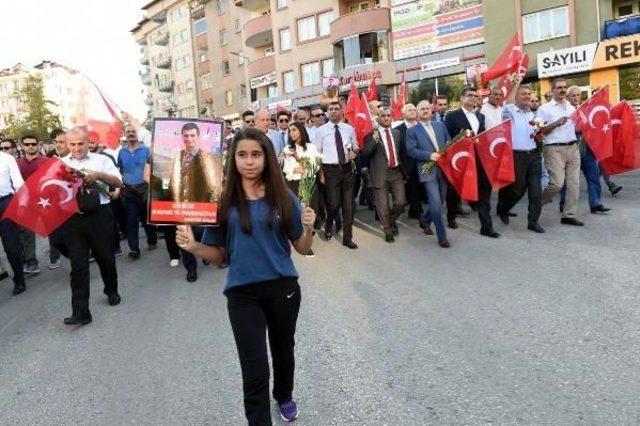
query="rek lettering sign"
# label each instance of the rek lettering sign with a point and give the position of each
(566, 61)
(618, 51)
(263, 80)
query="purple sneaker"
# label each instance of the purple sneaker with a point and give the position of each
(289, 411)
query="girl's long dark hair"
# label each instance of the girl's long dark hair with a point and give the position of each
(276, 192)
(304, 136)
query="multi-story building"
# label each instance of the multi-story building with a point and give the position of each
(62, 86)
(220, 63)
(168, 70)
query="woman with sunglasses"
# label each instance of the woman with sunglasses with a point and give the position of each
(259, 221)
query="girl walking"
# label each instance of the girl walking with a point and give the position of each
(259, 218)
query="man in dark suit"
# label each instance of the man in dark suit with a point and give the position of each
(468, 118)
(412, 188)
(424, 140)
(382, 149)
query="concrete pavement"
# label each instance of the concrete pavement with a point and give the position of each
(528, 329)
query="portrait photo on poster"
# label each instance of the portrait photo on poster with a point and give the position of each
(186, 171)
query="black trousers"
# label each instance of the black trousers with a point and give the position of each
(135, 204)
(484, 199)
(170, 240)
(270, 306)
(90, 232)
(189, 260)
(10, 235)
(528, 168)
(339, 182)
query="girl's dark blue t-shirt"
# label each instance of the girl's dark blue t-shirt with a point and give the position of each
(263, 255)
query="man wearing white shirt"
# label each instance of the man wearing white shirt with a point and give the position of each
(336, 141)
(561, 153)
(10, 181)
(492, 109)
(90, 229)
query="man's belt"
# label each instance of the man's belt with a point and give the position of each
(561, 143)
(526, 151)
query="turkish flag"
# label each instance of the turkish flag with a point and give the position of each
(372, 93)
(364, 122)
(593, 119)
(108, 133)
(504, 84)
(46, 200)
(508, 61)
(458, 163)
(495, 151)
(399, 102)
(353, 102)
(626, 141)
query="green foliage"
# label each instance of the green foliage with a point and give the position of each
(40, 119)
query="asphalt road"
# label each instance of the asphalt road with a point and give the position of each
(529, 329)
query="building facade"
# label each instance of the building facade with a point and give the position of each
(167, 62)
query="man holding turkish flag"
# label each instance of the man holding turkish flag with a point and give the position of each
(458, 163)
(593, 119)
(363, 122)
(508, 62)
(495, 151)
(626, 145)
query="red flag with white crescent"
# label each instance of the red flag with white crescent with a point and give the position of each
(46, 200)
(626, 140)
(508, 61)
(593, 119)
(458, 163)
(495, 151)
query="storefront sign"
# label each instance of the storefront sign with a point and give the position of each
(360, 78)
(284, 104)
(617, 51)
(263, 80)
(441, 63)
(566, 61)
(425, 26)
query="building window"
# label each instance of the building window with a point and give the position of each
(200, 26)
(365, 48)
(189, 85)
(281, 3)
(324, 23)
(180, 37)
(203, 57)
(272, 90)
(228, 97)
(243, 90)
(285, 39)
(224, 37)
(327, 68)
(225, 67)
(205, 82)
(306, 28)
(624, 9)
(238, 27)
(359, 7)
(183, 62)
(546, 24)
(288, 82)
(310, 74)
(222, 6)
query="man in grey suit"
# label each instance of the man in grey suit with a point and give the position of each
(382, 149)
(423, 142)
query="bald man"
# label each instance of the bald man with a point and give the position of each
(263, 120)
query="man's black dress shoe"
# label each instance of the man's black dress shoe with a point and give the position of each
(490, 234)
(571, 221)
(78, 320)
(192, 276)
(533, 226)
(19, 288)
(350, 245)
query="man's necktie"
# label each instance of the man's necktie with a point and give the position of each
(392, 156)
(342, 159)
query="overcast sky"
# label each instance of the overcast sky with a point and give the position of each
(91, 36)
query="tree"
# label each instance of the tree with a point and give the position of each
(41, 119)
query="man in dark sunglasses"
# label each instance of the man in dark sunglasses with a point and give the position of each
(8, 146)
(28, 164)
(284, 119)
(248, 119)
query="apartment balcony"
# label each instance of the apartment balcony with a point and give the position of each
(261, 66)
(252, 5)
(148, 101)
(196, 8)
(146, 78)
(144, 60)
(257, 32)
(166, 86)
(163, 61)
(626, 26)
(161, 38)
(368, 21)
(166, 104)
(142, 41)
(160, 18)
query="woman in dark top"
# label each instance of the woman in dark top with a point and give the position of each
(259, 217)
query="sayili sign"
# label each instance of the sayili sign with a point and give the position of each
(566, 61)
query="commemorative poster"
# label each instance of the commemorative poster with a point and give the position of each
(186, 171)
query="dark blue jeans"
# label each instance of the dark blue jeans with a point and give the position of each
(10, 235)
(591, 172)
(436, 194)
(135, 204)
